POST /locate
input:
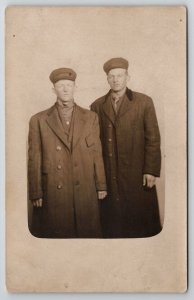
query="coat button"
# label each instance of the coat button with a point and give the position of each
(59, 167)
(109, 125)
(58, 148)
(110, 154)
(77, 182)
(59, 186)
(110, 140)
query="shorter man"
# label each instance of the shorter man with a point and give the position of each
(65, 167)
(131, 150)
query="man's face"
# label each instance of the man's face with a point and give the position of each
(64, 89)
(117, 79)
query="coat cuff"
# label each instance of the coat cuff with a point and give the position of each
(101, 187)
(35, 196)
(156, 174)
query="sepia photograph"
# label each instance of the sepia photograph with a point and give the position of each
(96, 149)
(69, 147)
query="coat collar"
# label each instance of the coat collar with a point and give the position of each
(80, 121)
(128, 92)
(55, 124)
(108, 109)
(125, 106)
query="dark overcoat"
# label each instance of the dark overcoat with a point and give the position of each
(131, 148)
(67, 176)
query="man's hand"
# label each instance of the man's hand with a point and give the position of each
(149, 180)
(37, 203)
(102, 195)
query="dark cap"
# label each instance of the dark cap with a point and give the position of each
(62, 73)
(114, 63)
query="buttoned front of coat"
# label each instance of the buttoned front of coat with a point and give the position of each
(131, 148)
(67, 176)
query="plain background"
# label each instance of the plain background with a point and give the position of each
(66, 40)
(87, 100)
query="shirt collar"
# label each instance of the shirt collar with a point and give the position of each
(67, 105)
(118, 96)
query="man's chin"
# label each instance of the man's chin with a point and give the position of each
(66, 100)
(117, 89)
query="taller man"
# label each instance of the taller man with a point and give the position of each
(65, 170)
(131, 149)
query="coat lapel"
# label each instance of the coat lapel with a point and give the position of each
(55, 124)
(126, 104)
(108, 109)
(125, 107)
(79, 124)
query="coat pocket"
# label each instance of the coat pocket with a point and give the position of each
(89, 141)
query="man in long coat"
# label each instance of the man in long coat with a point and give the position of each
(131, 151)
(65, 167)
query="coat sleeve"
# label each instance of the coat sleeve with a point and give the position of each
(98, 159)
(34, 160)
(152, 158)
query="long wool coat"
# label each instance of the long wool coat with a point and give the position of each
(66, 177)
(131, 148)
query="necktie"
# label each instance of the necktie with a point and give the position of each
(116, 100)
(66, 110)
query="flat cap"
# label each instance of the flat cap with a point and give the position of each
(62, 73)
(117, 62)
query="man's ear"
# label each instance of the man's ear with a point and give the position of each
(53, 90)
(75, 87)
